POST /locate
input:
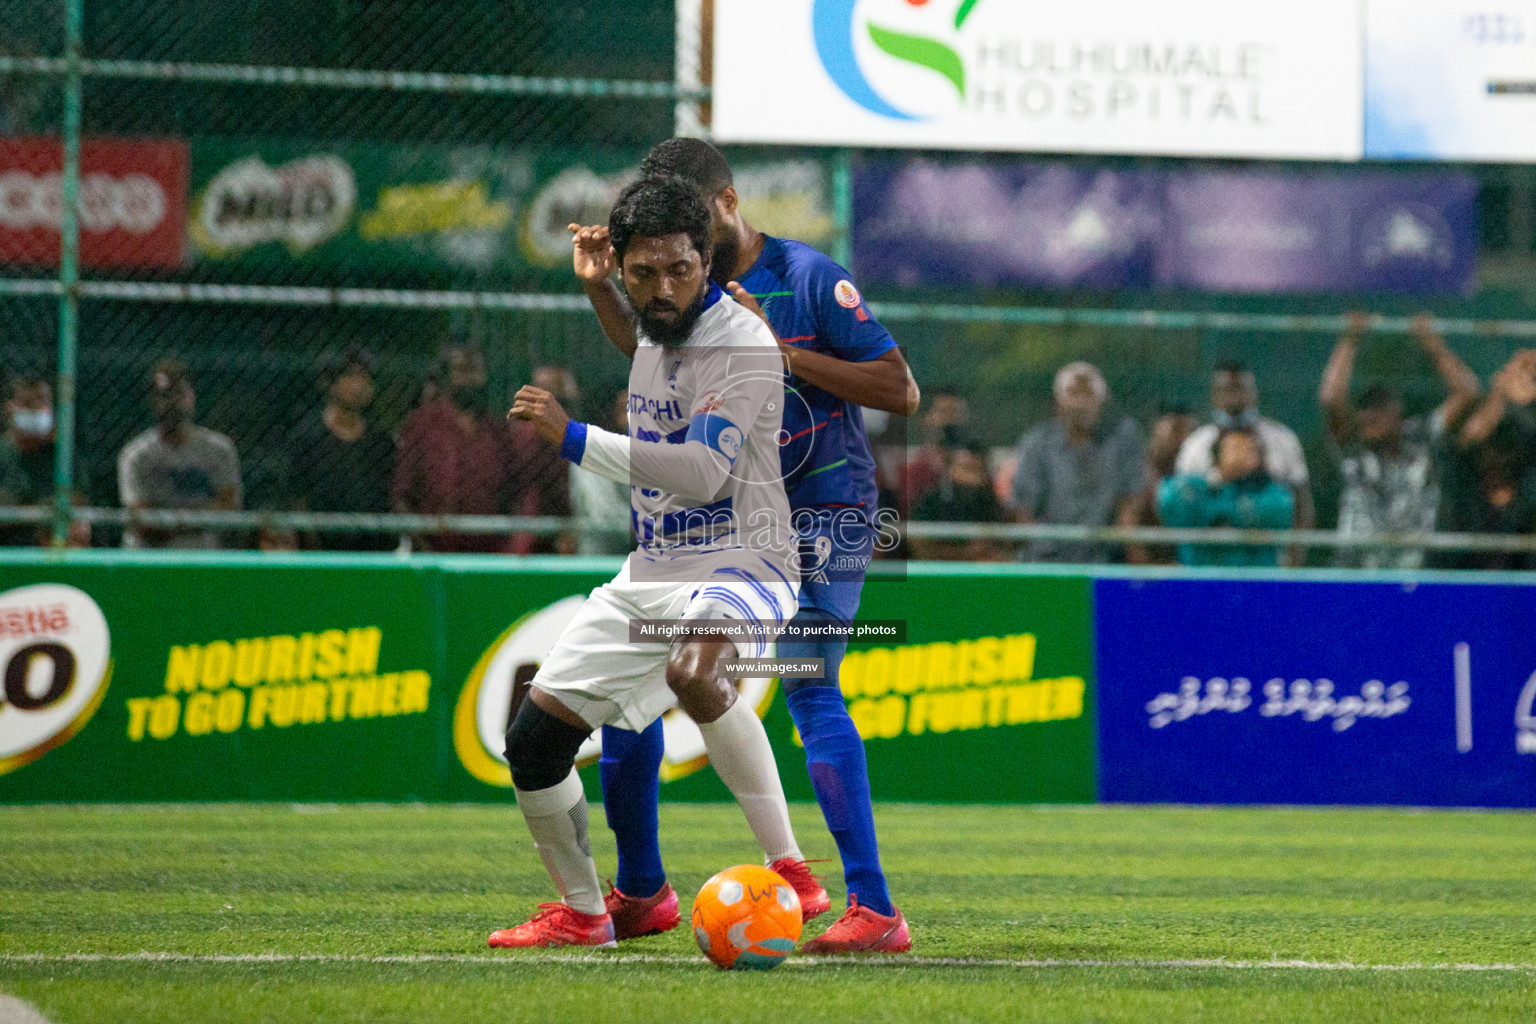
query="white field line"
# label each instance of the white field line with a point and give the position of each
(514, 960)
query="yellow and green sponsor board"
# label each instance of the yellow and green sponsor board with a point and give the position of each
(186, 677)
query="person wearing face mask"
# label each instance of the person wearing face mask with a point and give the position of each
(1387, 464)
(1239, 492)
(1235, 404)
(26, 462)
(1079, 468)
(454, 456)
(177, 464)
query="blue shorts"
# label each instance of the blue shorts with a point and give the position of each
(836, 546)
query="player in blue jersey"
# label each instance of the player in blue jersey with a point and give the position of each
(837, 357)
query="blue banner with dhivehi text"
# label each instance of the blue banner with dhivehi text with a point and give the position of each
(1313, 692)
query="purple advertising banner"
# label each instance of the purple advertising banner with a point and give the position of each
(1060, 225)
(925, 222)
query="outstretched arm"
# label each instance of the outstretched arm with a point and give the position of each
(1461, 383)
(594, 263)
(1515, 384)
(695, 469)
(1333, 395)
(884, 383)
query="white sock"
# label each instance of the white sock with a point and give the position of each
(738, 748)
(557, 817)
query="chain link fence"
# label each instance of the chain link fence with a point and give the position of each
(306, 222)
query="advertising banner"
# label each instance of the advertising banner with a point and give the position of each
(467, 210)
(1237, 231)
(1227, 691)
(1235, 78)
(994, 671)
(248, 682)
(373, 679)
(1059, 225)
(1450, 80)
(991, 698)
(1042, 223)
(132, 209)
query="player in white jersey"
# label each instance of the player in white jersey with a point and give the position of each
(715, 543)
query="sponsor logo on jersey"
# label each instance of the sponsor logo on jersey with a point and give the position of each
(710, 402)
(729, 442)
(846, 294)
(657, 409)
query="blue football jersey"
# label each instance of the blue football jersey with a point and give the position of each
(812, 303)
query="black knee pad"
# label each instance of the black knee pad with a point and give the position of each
(540, 748)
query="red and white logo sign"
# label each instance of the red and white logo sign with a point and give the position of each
(846, 294)
(132, 208)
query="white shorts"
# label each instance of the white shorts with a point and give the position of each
(599, 673)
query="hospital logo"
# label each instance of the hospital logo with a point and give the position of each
(840, 29)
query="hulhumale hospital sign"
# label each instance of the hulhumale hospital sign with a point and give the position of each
(1239, 78)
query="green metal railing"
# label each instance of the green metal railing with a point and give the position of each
(74, 69)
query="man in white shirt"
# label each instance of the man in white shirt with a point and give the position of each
(715, 542)
(1234, 404)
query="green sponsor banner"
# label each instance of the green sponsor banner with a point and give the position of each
(491, 213)
(989, 698)
(318, 679)
(243, 681)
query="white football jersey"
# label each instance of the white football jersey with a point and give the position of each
(723, 388)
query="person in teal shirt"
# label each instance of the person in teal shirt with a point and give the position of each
(1238, 493)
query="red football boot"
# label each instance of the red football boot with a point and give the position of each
(861, 930)
(814, 900)
(557, 925)
(634, 917)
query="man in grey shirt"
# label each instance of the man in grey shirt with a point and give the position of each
(1079, 468)
(176, 465)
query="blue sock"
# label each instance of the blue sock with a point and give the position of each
(631, 772)
(834, 756)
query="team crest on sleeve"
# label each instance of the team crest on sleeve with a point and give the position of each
(846, 294)
(710, 402)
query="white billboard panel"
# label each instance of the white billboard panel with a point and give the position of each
(1450, 80)
(1238, 78)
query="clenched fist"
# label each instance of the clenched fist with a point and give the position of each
(540, 408)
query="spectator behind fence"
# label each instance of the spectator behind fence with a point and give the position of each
(455, 456)
(1239, 492)
(1488, 470)
(964, 495)
(27, 452)
(176, 464)
(601, 505)
(1389, 479)
(541, 481)
(1169, 432)
(1080, 468)
(1235, 403)
(943, 426)
(341, 460)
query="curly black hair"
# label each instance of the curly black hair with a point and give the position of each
(656, 208)
(694, 160)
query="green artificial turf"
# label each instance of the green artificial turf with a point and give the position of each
(1074, 914)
